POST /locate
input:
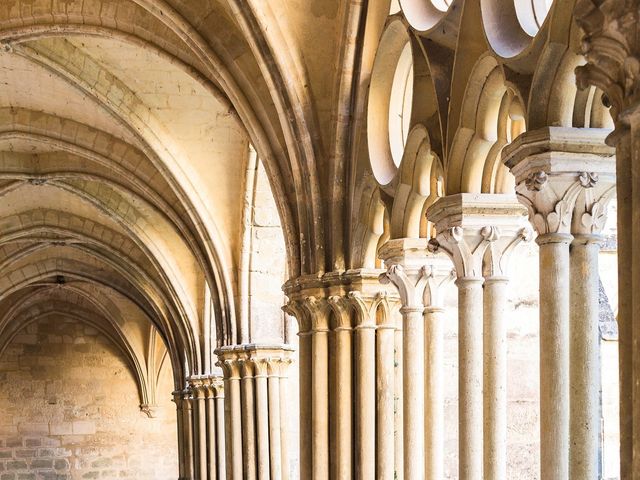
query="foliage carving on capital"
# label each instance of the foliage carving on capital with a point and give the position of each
(536, 181)
(611, 48)
(557, 220)
(496, 261)
(581, 209)
(465, 247)
(410, 284)
(594, 218)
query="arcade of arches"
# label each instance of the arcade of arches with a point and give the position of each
(319, 239)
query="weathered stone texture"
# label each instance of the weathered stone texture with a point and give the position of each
(70, 410)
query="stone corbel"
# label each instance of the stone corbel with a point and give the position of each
(151, 411)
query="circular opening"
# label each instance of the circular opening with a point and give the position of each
(442, 5)
(531, 14)
(389, 103)
(424, 14)
(400, 104)
(511, 25)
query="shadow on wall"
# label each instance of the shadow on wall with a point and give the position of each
(69, 409)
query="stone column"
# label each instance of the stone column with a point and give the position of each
(187, 422)
(218, 399)
(342, 364)
(206, 436)
(345, 306)
(467, 225)
(214, 391)
(296, 308)
(440, 273)
(374, 329)
(258, 404)
(565, 177)
(610, 45)
(385, 394)
(232, 418)
(496, 280)
(405, 261)
(313, 313)
(198, 389)
(178, 400)
(212, 438)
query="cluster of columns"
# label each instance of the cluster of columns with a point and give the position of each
(200, 420)
(478, 232)
(255, 411)
(349, 348)
(566, 177)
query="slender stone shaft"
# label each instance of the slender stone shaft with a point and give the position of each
(470, 377)
(584, 359)
(305, 385)
(366, 401)
(177, 398)
(262, 419)
(554, 355)
(320, 404)
(434, 394)
(247, 388)
(187, 407)
(398, 406)
(275, 429)
(495, 378)
(220, 452)
(212, 444)
(200, 424)
(385, 373)
(342, 405)
(413, 392)
(233, 423)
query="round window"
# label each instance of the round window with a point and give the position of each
(531, 14)
(400, 104)
(390, 97)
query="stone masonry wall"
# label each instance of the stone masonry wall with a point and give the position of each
(69, 409)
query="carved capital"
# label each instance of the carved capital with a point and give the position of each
(470, 225)
(254, 360)
(610, 45)
(496, 260)
(565, 177)
(410, 284)
(440, 273)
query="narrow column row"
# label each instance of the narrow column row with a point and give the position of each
(256, 433)
(200, 421)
